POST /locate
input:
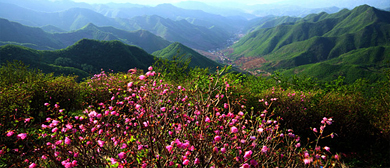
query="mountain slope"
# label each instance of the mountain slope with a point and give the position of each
(71, 19)
(36, 38)
(366, 63)
(180, 31)
(142, 38)
(169, 11)
(178, 49)
(84, 57)
(316, 38)
(268, 22)
(13, 32)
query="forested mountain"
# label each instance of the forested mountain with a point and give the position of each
(33, 37)
(71, 19)
(36, 38)
(181, 51)
(317, 38)
(180, 31)
(83, 58)
(142, 38)
(268, 22)
(196, 17)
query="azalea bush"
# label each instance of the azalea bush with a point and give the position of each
(140, 120)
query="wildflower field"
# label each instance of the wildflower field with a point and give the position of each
(172, 117)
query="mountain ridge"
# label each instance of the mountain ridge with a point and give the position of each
(316, 38)
(13, 32)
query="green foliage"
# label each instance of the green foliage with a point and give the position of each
(351, 43)
(176, 69)
(82, 58)
(196, 59)
(24, 92)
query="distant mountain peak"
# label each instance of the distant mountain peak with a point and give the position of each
(89, 25)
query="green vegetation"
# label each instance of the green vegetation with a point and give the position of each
(359, 112)
(269, 22)
(36, 38)
(180, 31)
(84, 58)
(324, 45)
(177, 49)
(141, 38)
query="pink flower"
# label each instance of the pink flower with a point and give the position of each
(233, 129)
(150, 68)
(44, 157)
(74, 163)
(101, 143)
(253, 162)
(207, 120)
(32, 165)
(10, 133)
(246, 165)
(197, 161)
(22, 136)
(308, 160)
(169, 148)
(137, 106)
(55, 122)
(54, 129)
(142, 77)
(113, 161)
(223, 150)
(124, 146)
(46, 104)
(130, 84)
(315, 129)
(67, 141)
(27, 120)
(264, 149)
(163, 108)
(248, 154)
(186, 162)
(225, 105)
(121, 155)
(327, 148)
(217, 138)
(298, 145)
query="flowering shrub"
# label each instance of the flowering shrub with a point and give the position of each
(150, 123)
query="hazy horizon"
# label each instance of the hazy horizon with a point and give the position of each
(305, 3)
(156, 2)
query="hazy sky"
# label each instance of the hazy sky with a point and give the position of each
(155, 2)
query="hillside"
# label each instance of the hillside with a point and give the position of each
(83, 58)
(230, 24)
(180, 31)
(142, 38)
(15, 33)
(177, 49)
(205, 37)
(36, 38)
(268, 22)
(70, 19)
(316, 38)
